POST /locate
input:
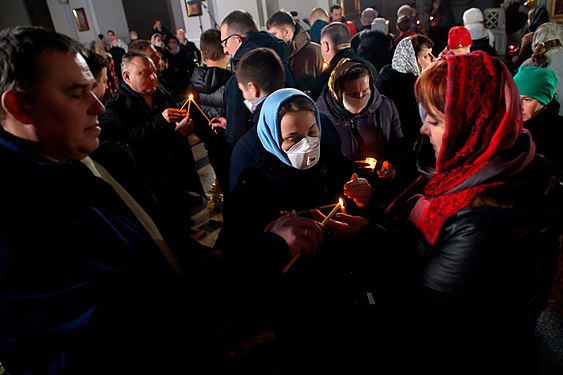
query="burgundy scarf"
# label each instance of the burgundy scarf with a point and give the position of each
(484, 142)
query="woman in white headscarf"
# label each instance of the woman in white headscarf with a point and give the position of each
(396, 81)
(547, 47)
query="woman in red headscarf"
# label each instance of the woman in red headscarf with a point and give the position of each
(483, 228)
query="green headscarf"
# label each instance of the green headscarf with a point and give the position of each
(537, 83)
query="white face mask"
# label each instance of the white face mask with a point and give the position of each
(253, 103)
(355, 105)
(305, 153)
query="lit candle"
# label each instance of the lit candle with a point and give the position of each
(371, 163)
(342, 206)
(190, 100)
(186, 102)
(203, 113)
(334, 211)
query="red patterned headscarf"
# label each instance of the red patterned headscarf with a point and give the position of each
(484, 142)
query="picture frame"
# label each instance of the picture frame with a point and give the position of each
(194, 8)
(556, 10)
(80, 18)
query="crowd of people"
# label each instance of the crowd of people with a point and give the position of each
(389, 199)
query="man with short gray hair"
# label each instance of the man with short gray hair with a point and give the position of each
(335, 45)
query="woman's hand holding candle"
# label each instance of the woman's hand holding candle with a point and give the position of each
(387, 171)
(218, 123)
(341, 225)
(359, 190)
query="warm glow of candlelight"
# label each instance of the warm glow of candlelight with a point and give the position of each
(371, 163)
(191, 97)
(342, 206)
(334, 211)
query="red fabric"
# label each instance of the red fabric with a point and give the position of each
(458, 37)
(483, 119)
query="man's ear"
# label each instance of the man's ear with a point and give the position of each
(254, 89)
(126, 76)
(15, 105)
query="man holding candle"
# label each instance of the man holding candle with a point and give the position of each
(148, 120)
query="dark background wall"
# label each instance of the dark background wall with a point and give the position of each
(141, 15)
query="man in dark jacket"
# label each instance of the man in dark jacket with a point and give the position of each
(145, 117)
(305, 59)
(240, 35)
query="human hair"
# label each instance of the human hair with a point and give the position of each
(96, 63)
(319, 13)
(111, 31)
(430, 87)
(368, 15)
(21, 48)
(263, 67)
(539, 55)
(419, 41)
(280, 18)
(338, 34)
(357, 71)
(405, 10)
(296, 104)
(139, 45)
(404, 23)
(130, 55)
(210, 44)
(334, 7)
(240, 22)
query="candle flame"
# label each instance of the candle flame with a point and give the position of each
(371, 162)
(191, 97)
(340, 202)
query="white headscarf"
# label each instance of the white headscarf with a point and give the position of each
(404, 58)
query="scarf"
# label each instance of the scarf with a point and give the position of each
(268, 127)
(484, 142)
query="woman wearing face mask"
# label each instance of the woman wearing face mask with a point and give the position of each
(483, 229)
(294, 171)
(367, 122)
(298, 172)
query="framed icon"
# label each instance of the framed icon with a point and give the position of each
(80, 18)
(556, 10)
(194, 8)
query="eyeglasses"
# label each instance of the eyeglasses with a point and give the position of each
(224, 41)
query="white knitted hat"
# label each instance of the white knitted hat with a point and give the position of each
(473, 21)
